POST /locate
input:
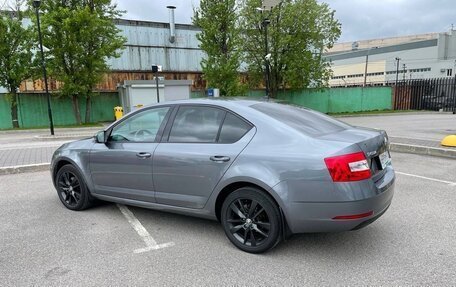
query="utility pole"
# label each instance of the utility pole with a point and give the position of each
(267, 56)
(403, 71)
(397, 69)
(155, 71)
(36, 5)
(365, 68)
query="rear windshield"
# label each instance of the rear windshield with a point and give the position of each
(304, 120)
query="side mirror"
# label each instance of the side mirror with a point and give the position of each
(100, 137)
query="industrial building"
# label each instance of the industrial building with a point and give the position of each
(175, 48)
(172, 46)
(382, 61)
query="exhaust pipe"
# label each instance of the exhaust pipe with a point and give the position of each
(172, 25)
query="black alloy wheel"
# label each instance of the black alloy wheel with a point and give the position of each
(251, 220)
(71, 188)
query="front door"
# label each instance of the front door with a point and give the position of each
(203, 142)
(122, 167)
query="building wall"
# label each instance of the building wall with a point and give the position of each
(423, 59)
(148, 44)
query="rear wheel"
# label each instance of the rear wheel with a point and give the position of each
(71, 188)
(251, 220)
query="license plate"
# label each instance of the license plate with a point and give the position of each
(385, 159)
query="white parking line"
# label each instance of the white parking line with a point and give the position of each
(428, 178)
(151, 244)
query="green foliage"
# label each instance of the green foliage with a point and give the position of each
(220, 40)
(80, 36)
(298, 33)
(15, 51)
(16, 43)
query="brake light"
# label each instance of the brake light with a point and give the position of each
(348, 167)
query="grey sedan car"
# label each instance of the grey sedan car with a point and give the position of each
(264, 170)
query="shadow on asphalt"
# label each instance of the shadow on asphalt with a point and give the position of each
(333, 246)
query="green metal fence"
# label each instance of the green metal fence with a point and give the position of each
(32, 109)
(335, 100)
(341, 100)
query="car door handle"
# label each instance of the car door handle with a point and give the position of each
(220, 158)
(143, 155)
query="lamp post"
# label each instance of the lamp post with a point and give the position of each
(36, 5)
(367, 62)
(397, 69)
(267, 56)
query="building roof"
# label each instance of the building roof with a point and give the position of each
(381, 50)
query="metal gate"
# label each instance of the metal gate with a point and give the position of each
(426, 94)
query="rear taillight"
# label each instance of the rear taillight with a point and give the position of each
(348, 167)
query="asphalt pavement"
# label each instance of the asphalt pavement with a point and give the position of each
(44, 244)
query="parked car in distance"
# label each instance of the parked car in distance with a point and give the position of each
(264, 170)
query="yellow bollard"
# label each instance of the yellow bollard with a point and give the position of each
(118, 113)
(449, 141)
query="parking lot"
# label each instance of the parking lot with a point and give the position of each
(42, 243)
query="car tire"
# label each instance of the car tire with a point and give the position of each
(251, 220)
(72, 189)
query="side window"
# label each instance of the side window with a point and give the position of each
(233, 129)
(142, 127)
(196, 125)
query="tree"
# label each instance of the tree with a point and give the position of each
(220, 40)
(16, 44)
(80, 36)
(300, 31)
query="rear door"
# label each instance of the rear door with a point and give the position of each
(197, 149)
(122, 167)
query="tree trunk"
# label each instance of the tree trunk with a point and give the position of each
(15, 120)
(88, 109)
(77, 113)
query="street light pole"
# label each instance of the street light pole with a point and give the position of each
(36, 5)
(403, 71)
(266, 55)
(365, 68)
(397, 69)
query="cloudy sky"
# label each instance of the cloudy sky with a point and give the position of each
(361, 19)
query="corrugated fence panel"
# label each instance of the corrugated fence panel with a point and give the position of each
(5, 113)
(313, 99)
(341, 100)
(33, 113)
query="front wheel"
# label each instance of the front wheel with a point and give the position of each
(71, 188)
(251, 220)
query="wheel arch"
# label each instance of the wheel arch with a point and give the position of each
(231, 187)
(62, 162)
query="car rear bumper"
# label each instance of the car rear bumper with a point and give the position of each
(307, 217)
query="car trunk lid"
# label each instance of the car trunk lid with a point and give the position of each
(374, 144)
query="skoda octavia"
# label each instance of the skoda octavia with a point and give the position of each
(264, 170)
